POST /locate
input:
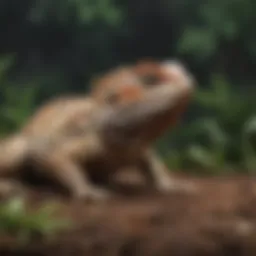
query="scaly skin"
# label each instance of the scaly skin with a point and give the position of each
(106, 132)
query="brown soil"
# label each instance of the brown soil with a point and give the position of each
(220, 220)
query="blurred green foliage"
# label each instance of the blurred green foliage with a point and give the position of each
(15, 220)
(222, 138)
(16, 103)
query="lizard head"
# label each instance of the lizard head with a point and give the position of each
(144, 74)
(143, 102)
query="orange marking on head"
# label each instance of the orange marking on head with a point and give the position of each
(130, 93)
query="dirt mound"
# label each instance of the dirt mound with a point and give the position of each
(220, 220)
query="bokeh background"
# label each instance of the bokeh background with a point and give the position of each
(52, 47)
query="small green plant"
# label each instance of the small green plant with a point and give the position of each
(15, 220)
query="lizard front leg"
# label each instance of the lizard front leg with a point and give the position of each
(157, 173)
(70, 175)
